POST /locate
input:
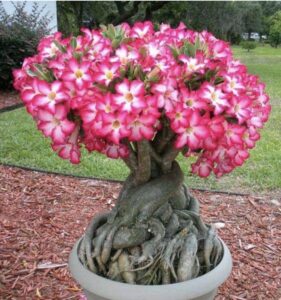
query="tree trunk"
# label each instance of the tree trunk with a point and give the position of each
(154, 235)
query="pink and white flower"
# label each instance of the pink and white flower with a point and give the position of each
(141, 127)
(106, 72)
(114, 127)
(130, 95)
(193, 133)
(167, 93)
(79, 73)
(215, 97)
(55, 124)
(49, 94)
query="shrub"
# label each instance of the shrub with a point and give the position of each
(27, 30)
(249, 45)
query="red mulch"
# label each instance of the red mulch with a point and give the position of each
(42, 215)
(9, 98)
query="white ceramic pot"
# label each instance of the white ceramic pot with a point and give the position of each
(201, 288)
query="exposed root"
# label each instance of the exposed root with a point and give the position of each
(124, 267)
(208, 247)
(87, 240)
(155, 235)
(187, 258)
(116, 255)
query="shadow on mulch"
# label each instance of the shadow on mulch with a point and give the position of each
(42, 215)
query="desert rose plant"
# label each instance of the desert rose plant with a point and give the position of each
(146, 95)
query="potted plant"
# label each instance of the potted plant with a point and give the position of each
(145, 95)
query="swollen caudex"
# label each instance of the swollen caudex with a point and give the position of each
(160, 243)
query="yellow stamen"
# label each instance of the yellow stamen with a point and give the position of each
(79, 73)
(189, 130)
(129, 97)
(137, 123)
(107, 108)
(52, 96)
(109, 75)
(56, 122)
(189, 102)
(116, 124)
(213, 96)
(178, 115)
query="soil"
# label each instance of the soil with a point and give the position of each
(42, 215)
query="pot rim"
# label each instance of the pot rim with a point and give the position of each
(114, 290)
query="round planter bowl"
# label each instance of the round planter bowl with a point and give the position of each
(99, 288)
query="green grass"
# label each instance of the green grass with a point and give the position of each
(22, 144)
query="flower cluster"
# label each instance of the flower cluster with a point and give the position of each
(125, 83)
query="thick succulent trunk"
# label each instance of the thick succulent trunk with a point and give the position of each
(154, 235)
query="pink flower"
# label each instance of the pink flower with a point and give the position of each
(70, 149)
(47, 47)
(141, 127)
(19, 79)
(202, 167)
(234, 134)
(178, 116)
(220, 49)
(240, 108)
(191, 64)
(167, 93)
(106, 72)
(116, 151)
(141, 30)
(79, 73)
(193, 133)
(55, 124)
(238, 155)
(215, 97)
(130, 95)
(124, 55)
(114, 127)
(106, 103)
(49, 94)
(191, 100)
(233, 85)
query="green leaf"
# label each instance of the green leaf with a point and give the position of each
(175, 51)
(219, 80)
(59, 46)
(111, 31)
(197, 44)
(31, 73)
(188, 49)
(73, 42)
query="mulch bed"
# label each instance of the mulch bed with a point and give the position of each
(9, 99)
(41, 216)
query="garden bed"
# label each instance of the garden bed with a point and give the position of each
(42, 215)
(9, 99)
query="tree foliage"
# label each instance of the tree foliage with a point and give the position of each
(27, 29)
(226, 19)
(275, 29)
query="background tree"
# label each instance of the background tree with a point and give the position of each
(226, 19)
(275, 29)
(19, 36)
(252, 17)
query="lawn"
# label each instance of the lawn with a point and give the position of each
(21, 144)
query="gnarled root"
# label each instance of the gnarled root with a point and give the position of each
(154, 236)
